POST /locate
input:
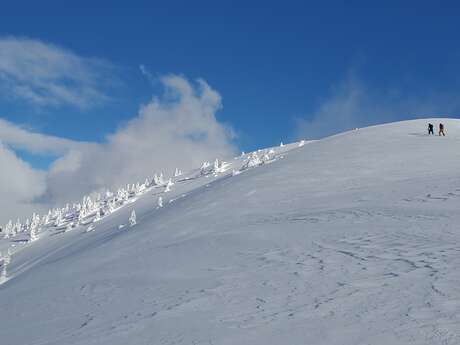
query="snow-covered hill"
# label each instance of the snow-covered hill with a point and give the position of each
(352, 239)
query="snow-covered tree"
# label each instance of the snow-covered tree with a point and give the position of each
(9, 230)
(217, 165)
(17, 227)
(252, 161)
(98, 216)
(177, 173)
(34, 229)
(132, 218)
(208, 168)
(6, 262)
(160, 201)
(220, 166)
(81, 215)
(111, 205)
(281, 144)
(58, 220)
(158, 180)
(12, 229)
(47, 219)
(125, 194)
(168, 186)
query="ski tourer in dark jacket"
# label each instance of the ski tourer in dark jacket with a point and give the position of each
(430, 129)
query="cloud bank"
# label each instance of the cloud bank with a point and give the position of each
(177, 129)
(46, 75)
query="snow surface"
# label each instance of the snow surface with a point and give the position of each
(352, 239)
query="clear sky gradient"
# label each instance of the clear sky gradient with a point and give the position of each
(282, 67)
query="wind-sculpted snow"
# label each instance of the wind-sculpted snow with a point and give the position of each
(352, 239)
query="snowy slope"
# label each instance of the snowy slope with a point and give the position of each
(352, 239)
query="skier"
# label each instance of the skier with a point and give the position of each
(441, 130)
(430, 129)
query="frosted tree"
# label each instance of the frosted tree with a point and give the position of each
(252, 161)
(160, 201)
(217, 165)
(33, 232)
(125, 195)
(17, 227)
(81, 216)
(89, 204)
(112, 205)
(58, 221)
(158, 179)
(281, 144)
(169, 185)
(6, 262)
(206, 168)
(121, 195)
(177, 173)
(34, 228)
(12, 229)
(47, 218)
(9, 229)
(98, 216)
(220, 166)
(132, 218)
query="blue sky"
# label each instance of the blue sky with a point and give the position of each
(277, 65)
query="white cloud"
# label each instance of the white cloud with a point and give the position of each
(19, 186)
(146, 73)
(21, 138)
(353, 104)
(178, 129)
(46, 75)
